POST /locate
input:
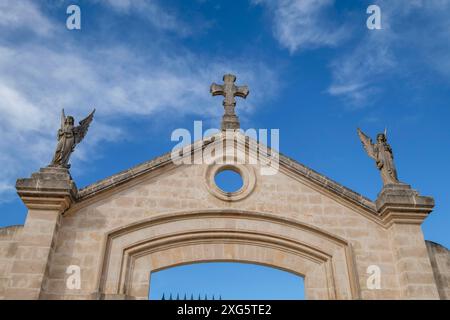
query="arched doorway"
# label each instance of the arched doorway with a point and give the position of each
(133, 252)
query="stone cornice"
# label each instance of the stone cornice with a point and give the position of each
(50, 188)
(398, 203)
(328, 184)
(124, 176)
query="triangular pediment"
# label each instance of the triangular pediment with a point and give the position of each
(286, 165)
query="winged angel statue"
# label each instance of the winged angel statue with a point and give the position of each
(68, 137)
(381, 152)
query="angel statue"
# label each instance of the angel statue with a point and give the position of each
(68, 137)
(381, 152)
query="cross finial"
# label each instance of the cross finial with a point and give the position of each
(229, 90)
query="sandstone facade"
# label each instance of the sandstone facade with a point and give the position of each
(158, 214)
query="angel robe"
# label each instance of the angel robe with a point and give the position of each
(385, 162)
(65, 146)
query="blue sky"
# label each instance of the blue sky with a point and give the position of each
(228, 280)
(314, 70)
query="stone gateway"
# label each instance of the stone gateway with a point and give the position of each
(159, 214)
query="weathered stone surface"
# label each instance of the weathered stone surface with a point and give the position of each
(47, 194)
(381, 152)
(69, 136)
(229, 90)
(290, 164)
(8, 252)
(50, 187)
(157, 215)
(398, 202)
(440, 262)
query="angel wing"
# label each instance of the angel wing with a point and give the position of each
(367, 143)
(81, 130)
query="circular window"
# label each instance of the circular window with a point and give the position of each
(229, 180)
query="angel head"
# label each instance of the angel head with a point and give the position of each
(381, 137)
(69, 121)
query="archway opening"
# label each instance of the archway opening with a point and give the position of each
(227, 281)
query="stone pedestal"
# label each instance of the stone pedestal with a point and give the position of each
(398, 202)
(230, 122)
(50, 188)
(46, 194)
(403, 210)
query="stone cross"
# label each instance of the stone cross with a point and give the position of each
(229, 90)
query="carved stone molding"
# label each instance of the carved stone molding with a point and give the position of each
(50, 188)
(132, 253)
(398, 203)
(245, 171)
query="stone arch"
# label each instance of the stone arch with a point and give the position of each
(132, 252)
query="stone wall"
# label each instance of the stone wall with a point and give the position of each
(85, 227)
(157, 215)
(8, 249)
(440, 261)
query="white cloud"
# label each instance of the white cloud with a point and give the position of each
(415, 35)
(304, 24)
(23, 14)
(122, 5)
(23, 115)
(354, 75)
(153, 12)
(39, 78)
